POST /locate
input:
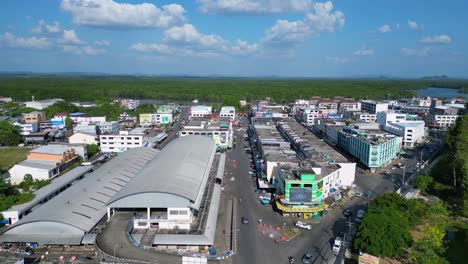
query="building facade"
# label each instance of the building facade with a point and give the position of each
(123, 141)
(373, 107)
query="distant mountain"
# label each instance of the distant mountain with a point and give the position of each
(435, 77)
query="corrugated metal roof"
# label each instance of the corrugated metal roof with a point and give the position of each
(83, 205)
(38, 164)
(182, 169)
(52, 149)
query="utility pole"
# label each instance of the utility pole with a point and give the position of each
(404, 172)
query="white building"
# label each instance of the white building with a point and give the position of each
(435, 120)
(309, 114)
(87, 119)
(373, 107)
(384, 118)
(152, 119)
(28, 128)
(39, 105)
(38, 169)
(200, 111)
(410, 131)
(130, 104)
(228, 111)
(104, 127)
(83, 138)
(124, 140)
(366, 117)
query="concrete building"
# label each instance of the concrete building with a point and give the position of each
(374, 148)
(34, 117)
(373, 107)
(411, 132)
(365, 117)
(111, 127)
(384, 118)
(156, 119)
(28, 128)
(221, 130)
(322, 172)
(442, 116)
(130, 104)
(83, 138)
(42, 104)
(124, 140)
(228, 112)
(308, 115)
(350, 105)
(201, 111)
(82, 117)
(44, 163)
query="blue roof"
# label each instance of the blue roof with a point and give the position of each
(77, 114)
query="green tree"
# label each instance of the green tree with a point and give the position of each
(9, 134)
(423, 182)
(92, 150)
(61, 107)
(27, 183)
(68, 123)
(383, 233)
(430, 246)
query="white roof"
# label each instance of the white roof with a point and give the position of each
(38, 164)
(52, 149)
(180, 170)
(67, 217)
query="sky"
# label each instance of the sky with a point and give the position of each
(283, 38)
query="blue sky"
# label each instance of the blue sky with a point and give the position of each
(290, 38)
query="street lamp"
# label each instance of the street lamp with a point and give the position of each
(114, 249)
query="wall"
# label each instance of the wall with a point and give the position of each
(18, 171)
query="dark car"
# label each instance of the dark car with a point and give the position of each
(347, 213)
(307, 258)
(244, 220)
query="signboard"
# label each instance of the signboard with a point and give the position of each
(300, 194)
(146, 118)
(334, 116)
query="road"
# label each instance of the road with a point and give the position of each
(253, 247)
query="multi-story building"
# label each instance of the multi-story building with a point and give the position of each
(44, 163)
(329, 104)
(201, 111)
(34, 117)
(302, 188)
(308, 115)
(411, 132)
(366, 117)
(111, 127)
(155, 119)
(442, 116)
(124, 140)
(373, 148)
(228, 112)
(130, 104)
(424, 102)
(383, 118)
(350, 105)
(373, 107)
(27, 128)
(79, 117)
(221, 131)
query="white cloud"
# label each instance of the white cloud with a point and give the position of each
(364, 52)
(43, 28)
(439, 39)
(320, 19)
(108, 13)
(254, 6)
(188, 34)
(10, 40)
(385, 29)
(414, 25)
(158, 48)
(165, 49)
(337, 60)
(415, 52)
(70, 37)
(243, 48)
(86, 50)
(102, 42)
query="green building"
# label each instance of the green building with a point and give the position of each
(301, 194)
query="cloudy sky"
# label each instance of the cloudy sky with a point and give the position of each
(339, 38)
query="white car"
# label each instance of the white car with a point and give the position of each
(337, 245)
(303, 225)
(232, 178)
(251, 173)
(358, 194)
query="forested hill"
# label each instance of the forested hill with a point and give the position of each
(91, 88)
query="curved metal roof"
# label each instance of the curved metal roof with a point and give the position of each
(81, 206)
(181, 169)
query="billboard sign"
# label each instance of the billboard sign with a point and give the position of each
(300, 194)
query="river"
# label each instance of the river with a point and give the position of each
(439, 92)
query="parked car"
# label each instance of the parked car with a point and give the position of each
(347, 212)
(303, 225)
(358, 194)
(244, 220)
(337, 245)
(307, 258)
(360, 215)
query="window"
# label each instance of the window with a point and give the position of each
(129, 138)
(136, 138)
(174, 212)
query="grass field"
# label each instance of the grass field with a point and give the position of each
(11, 156)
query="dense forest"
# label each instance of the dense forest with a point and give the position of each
(92, 88)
